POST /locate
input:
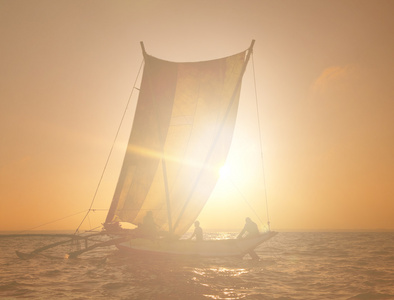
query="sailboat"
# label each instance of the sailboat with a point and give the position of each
(181, 135)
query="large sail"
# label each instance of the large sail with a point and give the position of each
(180, 138)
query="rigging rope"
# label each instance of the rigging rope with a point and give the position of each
(262, 159)
(261, 142)
(51, 222)
(246, 201)
(112, 147)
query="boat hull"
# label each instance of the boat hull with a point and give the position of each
(209, 248)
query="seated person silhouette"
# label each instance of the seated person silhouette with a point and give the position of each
(197, 232)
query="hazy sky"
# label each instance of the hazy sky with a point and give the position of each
(325, 89)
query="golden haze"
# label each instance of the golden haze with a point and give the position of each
(324, 76)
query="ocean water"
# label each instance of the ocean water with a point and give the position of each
(292, 266)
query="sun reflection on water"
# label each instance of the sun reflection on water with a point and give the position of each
(212, 272)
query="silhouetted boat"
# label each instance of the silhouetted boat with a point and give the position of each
(181, 135)
(206, 248)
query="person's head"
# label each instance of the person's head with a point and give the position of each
(248, 220)
(197, 223)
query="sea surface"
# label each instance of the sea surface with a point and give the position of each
(320, 265)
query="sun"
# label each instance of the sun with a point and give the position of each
(224, 171)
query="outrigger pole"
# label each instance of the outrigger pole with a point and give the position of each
(39, 250)
(97, 245)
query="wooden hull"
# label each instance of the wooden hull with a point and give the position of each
(209, 248)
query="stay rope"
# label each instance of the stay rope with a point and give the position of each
(261, 143)
(262, 159)
(112, 147)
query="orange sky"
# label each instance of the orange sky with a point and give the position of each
(324, 73)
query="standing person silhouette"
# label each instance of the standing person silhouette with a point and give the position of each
(251, 230)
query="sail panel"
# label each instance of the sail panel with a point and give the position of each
(144, 150)
(181, 135)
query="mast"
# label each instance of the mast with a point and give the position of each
(164, 166)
